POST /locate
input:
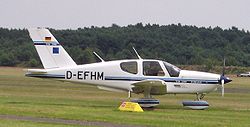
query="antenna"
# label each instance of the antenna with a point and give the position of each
(98, 56)
(137, 53)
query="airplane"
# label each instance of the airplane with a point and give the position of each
(140, 76)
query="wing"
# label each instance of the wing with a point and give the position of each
(150, 87)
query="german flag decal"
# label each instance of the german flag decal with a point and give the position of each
(47, 38)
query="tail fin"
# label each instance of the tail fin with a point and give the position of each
(51, 53)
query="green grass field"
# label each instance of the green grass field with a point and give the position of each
(23, 96)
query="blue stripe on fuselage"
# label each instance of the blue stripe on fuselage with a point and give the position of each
(176, 80)
(173, 79)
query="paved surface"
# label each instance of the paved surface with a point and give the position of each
(63, 121)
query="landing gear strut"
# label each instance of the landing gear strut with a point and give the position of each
(200, 96)
(129, 94)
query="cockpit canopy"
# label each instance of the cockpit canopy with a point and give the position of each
(150, 68)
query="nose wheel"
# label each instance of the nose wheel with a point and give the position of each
(197, 104)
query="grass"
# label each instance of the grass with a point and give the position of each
(25, 96)
(16, 123)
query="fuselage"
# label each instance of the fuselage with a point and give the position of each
(120, 75)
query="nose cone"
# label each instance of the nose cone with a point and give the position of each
(226, 79)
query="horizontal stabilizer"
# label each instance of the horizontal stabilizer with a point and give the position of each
(37, 71)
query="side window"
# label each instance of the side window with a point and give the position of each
(130, 67)
(152, 68)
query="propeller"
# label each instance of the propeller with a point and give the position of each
(222, 87)
(223, 78)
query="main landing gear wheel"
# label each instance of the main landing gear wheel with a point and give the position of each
(196, 104)
(146, 102)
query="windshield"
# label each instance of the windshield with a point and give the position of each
(172, 70)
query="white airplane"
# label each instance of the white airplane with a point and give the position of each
(146, 76)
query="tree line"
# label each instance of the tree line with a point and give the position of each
(175, 43)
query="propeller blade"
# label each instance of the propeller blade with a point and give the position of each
(223, 69)
(222, 88)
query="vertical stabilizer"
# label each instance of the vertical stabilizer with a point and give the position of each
(51, 53)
